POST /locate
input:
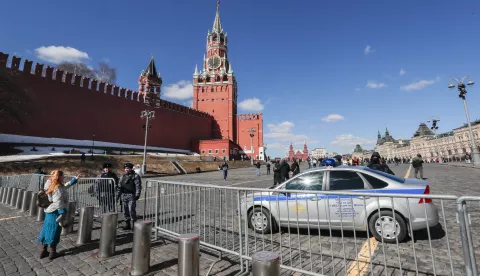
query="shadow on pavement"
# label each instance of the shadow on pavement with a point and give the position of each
(436, 233)
(121, 240)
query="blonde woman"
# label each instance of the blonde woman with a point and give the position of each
(57, 193)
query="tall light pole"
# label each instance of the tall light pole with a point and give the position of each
(265, 152)
(434, 128)
(147, 115)
(93, 144)
(252, 133)
(462, 91)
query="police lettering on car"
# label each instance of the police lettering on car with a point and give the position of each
(129, 190)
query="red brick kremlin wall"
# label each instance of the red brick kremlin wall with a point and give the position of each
(74, 107)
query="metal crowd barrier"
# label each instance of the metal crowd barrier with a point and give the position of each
(29, 182)
(312, 232)
(97, 192)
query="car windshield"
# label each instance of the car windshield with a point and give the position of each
(387, 175)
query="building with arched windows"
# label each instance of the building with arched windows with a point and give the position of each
(452, 145)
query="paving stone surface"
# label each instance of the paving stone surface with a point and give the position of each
(212, 212)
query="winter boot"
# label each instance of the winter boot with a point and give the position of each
(128, 226)
(53, 253)
(44, 252)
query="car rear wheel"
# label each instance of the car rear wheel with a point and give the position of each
(389, 226)
(259, 220)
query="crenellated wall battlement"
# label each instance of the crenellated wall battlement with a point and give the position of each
(53, 74)
(248, 117)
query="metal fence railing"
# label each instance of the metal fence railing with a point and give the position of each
(319, 232)
(97, 192)
(468, 208)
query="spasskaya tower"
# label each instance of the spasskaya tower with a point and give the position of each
(215, 92)
(215, 87)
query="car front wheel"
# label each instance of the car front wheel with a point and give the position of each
(259, 220)
(389, 226)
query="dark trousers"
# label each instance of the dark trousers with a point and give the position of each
(268, 170)
(225, 174)
(129, 207)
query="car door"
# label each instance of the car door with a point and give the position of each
(344, 209)
(302, 207)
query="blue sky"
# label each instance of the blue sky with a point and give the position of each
(302, 60)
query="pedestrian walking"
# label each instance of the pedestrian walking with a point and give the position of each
(82, 158)
(40, 171)
(277, 173)
(57, 193)
(314, 163)
(268, 168)
(284, 170)
(355, 161)
(224, 169)
(257, 165)
(417, 164)
(129, 191)
(105, 189)
(377, 164)
(309, 163)
(295, 167)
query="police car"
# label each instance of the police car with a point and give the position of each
(267, 211)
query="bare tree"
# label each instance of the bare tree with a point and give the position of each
(76, 68)
(103, 72)
(15, 101)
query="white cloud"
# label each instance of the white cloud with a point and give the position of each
(333, 118)
(181, 90)
(418, 85)
(349, 141)
(368, 50)
(374, 85)
(277, 146)
(59, 54)
(252, 104)
(283, 133)
(188, 103)
(402, 72)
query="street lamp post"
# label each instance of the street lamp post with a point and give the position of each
(462, 91)
(93, 145)
(147, 115)
(434, 128)
(252, 133)
(265, 152)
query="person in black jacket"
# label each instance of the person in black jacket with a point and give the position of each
(129, 190)
(277, 173)
(268, 168)
(284, 170)
(295, 168)
(105, 189)
(377, 164)
(257, 166)
(224, 169)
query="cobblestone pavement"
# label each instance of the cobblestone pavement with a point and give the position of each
(213, 214)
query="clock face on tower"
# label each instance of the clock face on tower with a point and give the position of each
(214, 62)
